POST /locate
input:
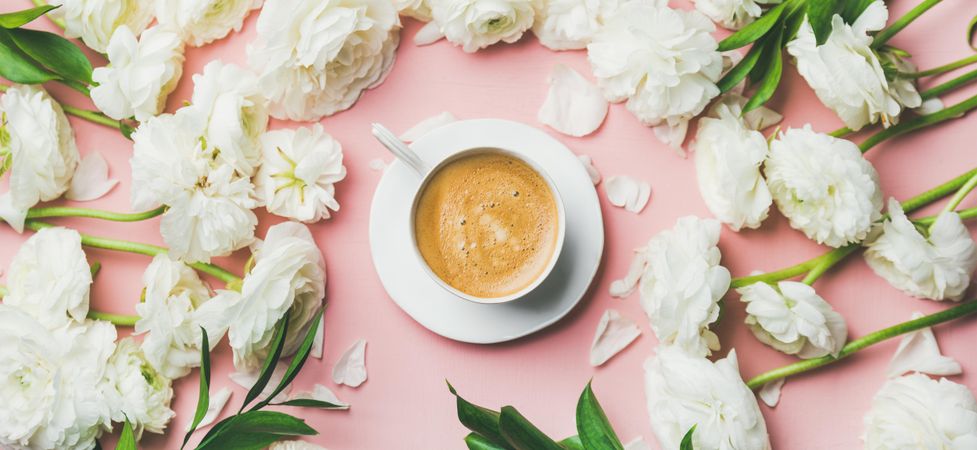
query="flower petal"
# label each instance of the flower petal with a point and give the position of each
(637, 443)
(614, 333)
(625, 286)
(919, 352)
(217, 402)
(628, 193)
(573, 105)
(427, 125)
(588, 165)
(351, 367)
(91, 179)
(428, 34)
(247, 380)
(317, 343)
(323, 394)
(770, 392)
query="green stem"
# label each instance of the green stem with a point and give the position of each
(965, 214)
(828, 261)
(92, 116)
(141, 249)
(863, 342)
(916, 123)
(950, 85)
(58, 22)
(841, 132)
(65, 211)
(116, 319)
(944, 68)
(961, 194)
(883, 36)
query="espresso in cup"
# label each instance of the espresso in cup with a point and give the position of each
(487, 224)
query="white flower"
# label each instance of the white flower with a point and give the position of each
(937, 267)
(418, 9)
(794, 319)
(174, 308)
(571, 24)
(236, 113)
(683, 283)
(663, 61)
(288, 277)
(824, 186)
(94, 21)
(141, 73)
(476, 24)
(294, 445)
(201, 22)
(728, 156)
(732, 14)
(49, 278)
(35, 133)
(315, 57)
(846, 73)
(136, 391)
(685, 390)
(48, 382)
(299, 172)
(917, 412)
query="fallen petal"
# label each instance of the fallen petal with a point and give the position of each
(614, 333)
(247, 380)
(428, 34)
(322, 394)
(672, 135)
(573, 105)
(770, 392)
(214, 407)
(919, 352)
(378, 165)
(637, 204)
(427, 125)
(621, 189)
(588, 164)
(351, 367)
(761, 118)
(91, 179)
(930, 106)
(625, 286)
(317, 342)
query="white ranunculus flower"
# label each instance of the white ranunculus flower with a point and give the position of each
(141, 73)
(315, 57)
(37, 139)
(571, 24)
(288, 277)
(683, 283)
(136, 391)
(476, 24)
(49, 278)
(685, 390)
(94, 21)
(846, 73)
(236, 113)
(299, 172)
(175, 306)
(663, 61)
(728, 156)
(824, 186)
(937, 267)
(793, 318)
(418, 9)
(201, 22)
(918, 412)
(732, 14)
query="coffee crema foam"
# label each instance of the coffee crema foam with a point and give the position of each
(487, 224)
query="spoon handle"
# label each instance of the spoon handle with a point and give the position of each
(399, 149)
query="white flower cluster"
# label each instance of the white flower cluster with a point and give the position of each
(915, 411)
(95, 21)
(792, 318)
(200, 22)
(63, 379)
(732, 14)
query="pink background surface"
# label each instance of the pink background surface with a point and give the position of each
(405, 403)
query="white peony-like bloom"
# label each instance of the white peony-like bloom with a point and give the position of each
(418, 9)
(94, 21)
(37, 140)
(728, 156)
(685, 390)
(571, 24)
(236, 113)
(732, 14)
(48, 382)
(299, 172)
(136, 391)
(824, 186)
(49, 278)
(315, 57)
(683, 283)
(141, 73)
(175, 306)
(937, 267)
(288, 277)
(476, 24)
(846, 73)
(201, 22)
(918, 412)
(793, 318)
(661, 60)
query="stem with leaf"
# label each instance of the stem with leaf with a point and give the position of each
(57, 21)
(863, 342)
(916, 123)
(883, 36)
(972, 59)
(950, 85)
(66, 211)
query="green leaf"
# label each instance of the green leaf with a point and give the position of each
(203, 398)
(592, 425)
(18, 67)
(127, 440)
(277, 343)
(55, 53)
(19, 18)
(521, 434)
(254, 430)
(310, 403)
(971, 31)
(481, 420)
(754, 31)
(687, 440)
(819, 15)
(479, 442)
(852, 9)
(739, 71)
(573, 443)
(771, 77)
(297, 361)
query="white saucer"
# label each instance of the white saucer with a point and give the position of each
(438, 310)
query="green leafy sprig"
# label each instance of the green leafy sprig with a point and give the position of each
(35, 57)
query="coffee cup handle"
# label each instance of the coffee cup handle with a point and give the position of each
(399, 148)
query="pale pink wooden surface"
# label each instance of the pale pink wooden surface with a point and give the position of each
(405, 403)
